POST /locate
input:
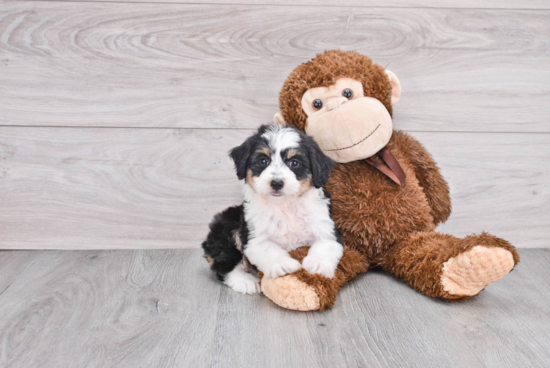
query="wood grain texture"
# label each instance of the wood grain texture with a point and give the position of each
(164, 309)
(103, 309)
(83, 188)
(11, 265)
(494, 181)
(490, 4)
(114, 188)
(204, 66)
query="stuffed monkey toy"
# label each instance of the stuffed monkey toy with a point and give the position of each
(387, 192)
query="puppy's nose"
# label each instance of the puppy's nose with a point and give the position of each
(277, 184)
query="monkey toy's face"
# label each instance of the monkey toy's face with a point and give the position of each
(344, 101)
(346, 124)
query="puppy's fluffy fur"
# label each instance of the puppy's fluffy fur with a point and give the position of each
(284, 208)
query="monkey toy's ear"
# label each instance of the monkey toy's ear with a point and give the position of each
(240, 156)
(395, 87)
(278, 119)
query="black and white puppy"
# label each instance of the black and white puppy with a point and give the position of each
(284, 208)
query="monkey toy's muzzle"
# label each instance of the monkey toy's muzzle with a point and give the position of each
(359, 129)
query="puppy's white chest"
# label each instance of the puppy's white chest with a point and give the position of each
(290, 229)
(290, 225)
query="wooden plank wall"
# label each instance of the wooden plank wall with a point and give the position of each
(116, 117)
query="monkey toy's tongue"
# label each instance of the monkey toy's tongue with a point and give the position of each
(386, 162)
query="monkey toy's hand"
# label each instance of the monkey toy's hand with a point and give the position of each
(305, 291)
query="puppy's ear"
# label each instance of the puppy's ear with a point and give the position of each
(321, 164)
(240, 156)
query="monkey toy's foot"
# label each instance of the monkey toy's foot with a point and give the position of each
(291, 293)
(303, 291)
(444, 266)
(469, 272)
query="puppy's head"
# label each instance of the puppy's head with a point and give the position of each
(281, 162)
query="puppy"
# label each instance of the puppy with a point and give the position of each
(284, 208)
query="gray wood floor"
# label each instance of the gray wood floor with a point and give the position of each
(163, 308)
(115, 120)
(116, 116)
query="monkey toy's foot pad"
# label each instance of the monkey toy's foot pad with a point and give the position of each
(468, 273)
(290, 293)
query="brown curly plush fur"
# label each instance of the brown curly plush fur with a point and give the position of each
(419, 259)
(351, 265)
(323, 71)
(383, 224)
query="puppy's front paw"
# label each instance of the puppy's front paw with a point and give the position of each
(316, 264)
(243, 282)
(286, 265)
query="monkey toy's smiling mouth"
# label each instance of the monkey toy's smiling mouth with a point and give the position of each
(383, 160)
(354, 131)
(357, 130)
(355, 144)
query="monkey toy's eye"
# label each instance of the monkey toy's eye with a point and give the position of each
(264, 161)
(347, 93)
(293, 163)
(317, 104)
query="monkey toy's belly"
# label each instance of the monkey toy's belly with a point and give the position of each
(372, 211)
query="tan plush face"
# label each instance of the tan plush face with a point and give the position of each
(347, 125)
(344, 101)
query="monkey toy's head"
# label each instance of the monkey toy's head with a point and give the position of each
(344, 101)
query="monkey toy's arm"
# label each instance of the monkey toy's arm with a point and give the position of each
(429, 177)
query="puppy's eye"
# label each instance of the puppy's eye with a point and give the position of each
(264, 162)
(347, 93)
(317, 104)
(293, 163)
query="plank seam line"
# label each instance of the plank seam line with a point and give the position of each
(468, 131)
(245, 129)
(283, 5)
(119, 127)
